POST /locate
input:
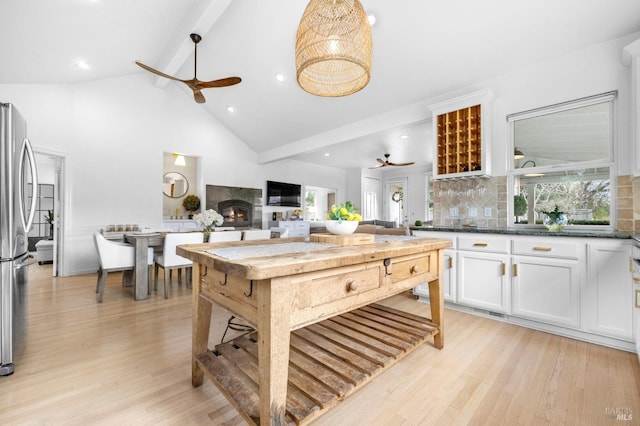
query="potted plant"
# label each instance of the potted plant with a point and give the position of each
(519, 206)
(49, 219)
(555, 220)
(191, 203)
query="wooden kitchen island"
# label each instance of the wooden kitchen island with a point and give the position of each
(319, 333)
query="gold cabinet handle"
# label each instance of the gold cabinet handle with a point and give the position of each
(450, 262)
(637, 298)
(542, 248)
(352, 285)
(503, 268)
(480, 244)
(414, 269)
(515, 269)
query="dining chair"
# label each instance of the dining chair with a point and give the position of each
(115, 256)
(169, 260)
(256, 234)
(220, 236)
(279, 232)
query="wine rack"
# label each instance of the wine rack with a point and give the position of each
(459, 141)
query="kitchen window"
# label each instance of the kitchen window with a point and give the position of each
(563, 157)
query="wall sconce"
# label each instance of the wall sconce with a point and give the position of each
(517, 154)
(531, 174)
(180, 161)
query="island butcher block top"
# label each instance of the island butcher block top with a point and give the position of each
(319, 335)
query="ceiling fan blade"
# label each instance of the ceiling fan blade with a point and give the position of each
(160, 73)
(223, 82)
(381, 161)
(377, 166)
(401, 164)
(199, 97)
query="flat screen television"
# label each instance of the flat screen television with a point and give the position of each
(283, 194)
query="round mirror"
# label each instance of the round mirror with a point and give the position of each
(174, 185)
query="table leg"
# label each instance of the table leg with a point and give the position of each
(200, 324)
(437, 311)
(141, 285)
(274, 306)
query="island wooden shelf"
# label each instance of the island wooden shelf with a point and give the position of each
(327, 361)
(320, 335)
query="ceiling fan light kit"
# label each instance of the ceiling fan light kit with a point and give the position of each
(333, 48)
(194, 84)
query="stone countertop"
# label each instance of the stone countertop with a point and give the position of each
(530, 231)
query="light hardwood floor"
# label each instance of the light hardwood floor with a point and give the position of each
(128, 363)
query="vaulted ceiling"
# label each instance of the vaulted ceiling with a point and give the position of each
(421, 51)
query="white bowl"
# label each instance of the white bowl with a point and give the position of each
(344, 227)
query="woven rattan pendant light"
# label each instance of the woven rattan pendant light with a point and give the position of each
(333, 48)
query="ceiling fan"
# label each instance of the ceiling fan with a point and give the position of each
(386, 162)
(195, 84)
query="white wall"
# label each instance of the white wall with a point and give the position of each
(113, 134)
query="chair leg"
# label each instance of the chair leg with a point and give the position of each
(102, 281)
(189, 274)
(149, 279)
(167, 283)
(155, 278)
(179, 276)
(128, 278)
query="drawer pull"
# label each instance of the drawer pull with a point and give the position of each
(480, 244)
(515, 269)
(415, 269)
(636, 280)
(542, 248)
(637, 301)
(352, 285)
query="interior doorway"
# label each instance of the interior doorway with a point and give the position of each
(372, 189)
(395, 200)
(50, 217)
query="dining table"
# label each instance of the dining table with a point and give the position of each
(142, 241)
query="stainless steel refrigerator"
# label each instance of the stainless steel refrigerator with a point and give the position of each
(18, 193)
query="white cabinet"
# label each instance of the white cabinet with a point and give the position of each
(546, 277)
(297, 228)
(483, 281)
(546, 289)
(447, 278)
(610, 289)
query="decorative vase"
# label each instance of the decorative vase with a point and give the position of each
(341, 227)
(556, 224)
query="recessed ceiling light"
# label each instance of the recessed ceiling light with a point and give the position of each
(404, 136)
(82, 65)
(371, 19)
(280, 77)
(327, 154)
(230, 108)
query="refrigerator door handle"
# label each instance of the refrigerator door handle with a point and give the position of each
(26, 147)
(30, 260)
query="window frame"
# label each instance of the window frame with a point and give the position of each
(513, 172)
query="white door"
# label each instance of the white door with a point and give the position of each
(395, 200)
(371, 208)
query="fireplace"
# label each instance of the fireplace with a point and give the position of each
(236, 213)
(240, 207)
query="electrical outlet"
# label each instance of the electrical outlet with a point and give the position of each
(487, 212)
(473, 212)
(453, 212)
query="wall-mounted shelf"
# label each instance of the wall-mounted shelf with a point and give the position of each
(460, 132)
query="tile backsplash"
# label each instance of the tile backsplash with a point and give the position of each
(480, 202)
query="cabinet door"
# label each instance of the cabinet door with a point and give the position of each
(547, 290)
(447, 279)
(482, 281)
(610, 290)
